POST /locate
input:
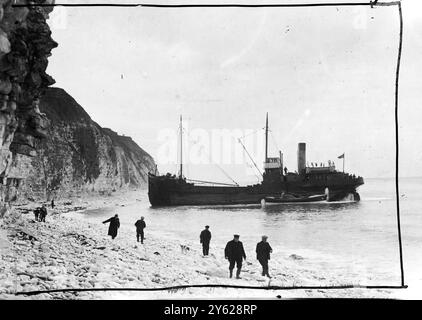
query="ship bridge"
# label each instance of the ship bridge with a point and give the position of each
(273, 163)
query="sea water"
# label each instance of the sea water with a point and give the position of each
(357, 240)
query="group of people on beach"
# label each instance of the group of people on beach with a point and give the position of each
(40, 213)
(115, 225)
(234, 251)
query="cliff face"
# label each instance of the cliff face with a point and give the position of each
(78, 156)
(25, 45)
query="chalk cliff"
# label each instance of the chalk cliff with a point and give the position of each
(77, 156)
(25, 45)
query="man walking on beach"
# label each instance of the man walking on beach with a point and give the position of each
(114, 226)
(205, 238)
(263, 250)
(140, 226)
(235, 253)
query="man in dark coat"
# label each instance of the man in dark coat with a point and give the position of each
(114, 226)
(263, 250)
(37, 212)
(43, 213)
(140, 226)
(235, 253)
(205, 238)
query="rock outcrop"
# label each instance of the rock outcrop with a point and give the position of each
(79, 157)
(25, 45)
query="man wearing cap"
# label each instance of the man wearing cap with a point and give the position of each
(235, 253)
(140, 226)
(205, 238)
(263, 250)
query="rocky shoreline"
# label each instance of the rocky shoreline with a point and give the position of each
(68, 252)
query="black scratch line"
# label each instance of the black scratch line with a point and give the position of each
(339, 287)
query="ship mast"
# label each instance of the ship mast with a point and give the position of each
(266, 139)
(181, 148)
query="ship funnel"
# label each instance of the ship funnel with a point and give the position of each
(301, 157)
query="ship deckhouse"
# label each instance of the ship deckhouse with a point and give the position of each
(273, 163)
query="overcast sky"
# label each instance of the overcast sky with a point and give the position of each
(325, 76)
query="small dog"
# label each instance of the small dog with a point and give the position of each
(184, 248)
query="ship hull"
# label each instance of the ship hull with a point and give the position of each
(161, 194)
(164, 191)
(214, 198)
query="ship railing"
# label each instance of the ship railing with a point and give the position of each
(213, 183)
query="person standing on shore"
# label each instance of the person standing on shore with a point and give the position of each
(263, 250)
(43, 213)
(205, 238)
(235, 253)
(140, 226)
(52, 203)
(114, 226)
(37, 213)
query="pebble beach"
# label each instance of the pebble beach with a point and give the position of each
(67, 252)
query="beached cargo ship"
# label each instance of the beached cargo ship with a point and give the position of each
(308, 182)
